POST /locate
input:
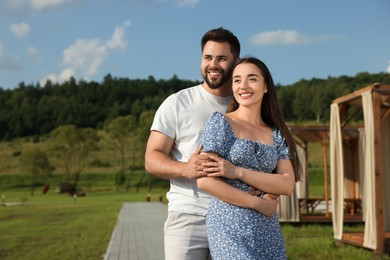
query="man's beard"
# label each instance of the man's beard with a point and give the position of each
(215, 84)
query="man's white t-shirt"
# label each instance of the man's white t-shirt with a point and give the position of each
(182, 116)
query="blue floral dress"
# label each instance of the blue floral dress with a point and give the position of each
(235, 232)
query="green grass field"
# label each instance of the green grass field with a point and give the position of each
(58, 226)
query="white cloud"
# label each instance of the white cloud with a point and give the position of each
(179, 3)
(25, 7)
(286, 37)
(117, 40)
(84, 58)
(51, 77)
(67, 73)
(187, 3)
(38, 5)
(20, 29)
(33, 52)
(388, 68)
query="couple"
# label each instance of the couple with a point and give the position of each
(226, 136)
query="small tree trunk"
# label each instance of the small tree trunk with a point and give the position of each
(128, 181)
(139, 182)
(150, 183)
(32, 189)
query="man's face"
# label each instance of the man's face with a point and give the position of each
(217, 63)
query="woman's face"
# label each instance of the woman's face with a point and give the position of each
(248, 85)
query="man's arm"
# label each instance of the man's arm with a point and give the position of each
(229, 194)
(158, 161)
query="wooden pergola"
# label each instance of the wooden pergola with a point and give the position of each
(304, 135)
(375, 100)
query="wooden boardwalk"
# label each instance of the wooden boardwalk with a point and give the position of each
(138, 234)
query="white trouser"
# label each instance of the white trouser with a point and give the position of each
(185, 237)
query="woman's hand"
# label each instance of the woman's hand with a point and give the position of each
(266, 205)
(219, 167)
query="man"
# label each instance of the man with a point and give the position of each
(176, 129)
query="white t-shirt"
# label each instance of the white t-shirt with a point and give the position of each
(182, 116)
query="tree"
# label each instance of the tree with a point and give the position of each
(119, 130)
(37, 163)
(286, 99)
(73, 146)
(143, 131)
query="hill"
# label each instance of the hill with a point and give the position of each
(30, 110)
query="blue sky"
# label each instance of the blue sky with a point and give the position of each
(87, 39)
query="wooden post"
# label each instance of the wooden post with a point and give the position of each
(376, 101)
(326, 179)
(305, 144)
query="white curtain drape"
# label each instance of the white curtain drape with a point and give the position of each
(300, 186)
(336, 172)
(370, 232)
(385, 153)
(288, 207)
(361, 144)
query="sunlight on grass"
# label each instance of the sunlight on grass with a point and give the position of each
(58, 226)
(315, 241)
(54, 226)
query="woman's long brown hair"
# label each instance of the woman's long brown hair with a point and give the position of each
(270, 112)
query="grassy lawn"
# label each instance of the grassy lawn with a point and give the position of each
(57, 226)
(54, 226)
(315, 241)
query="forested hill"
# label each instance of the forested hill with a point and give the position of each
(309, 100)
(33, 109)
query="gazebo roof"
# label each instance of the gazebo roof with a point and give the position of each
(353, 99)
(320, 133)
(311, 133)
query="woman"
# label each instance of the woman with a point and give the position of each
(245, 146)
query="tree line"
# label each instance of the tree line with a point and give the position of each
(32, 109)
(72, 113)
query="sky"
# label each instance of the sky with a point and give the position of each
(135, 39)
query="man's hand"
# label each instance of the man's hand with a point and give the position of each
(254, 191)
(193, 168)
(271, 196)
(267, 205)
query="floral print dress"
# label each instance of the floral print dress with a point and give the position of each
(235, 232)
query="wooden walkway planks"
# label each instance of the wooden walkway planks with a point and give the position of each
(138, 234)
